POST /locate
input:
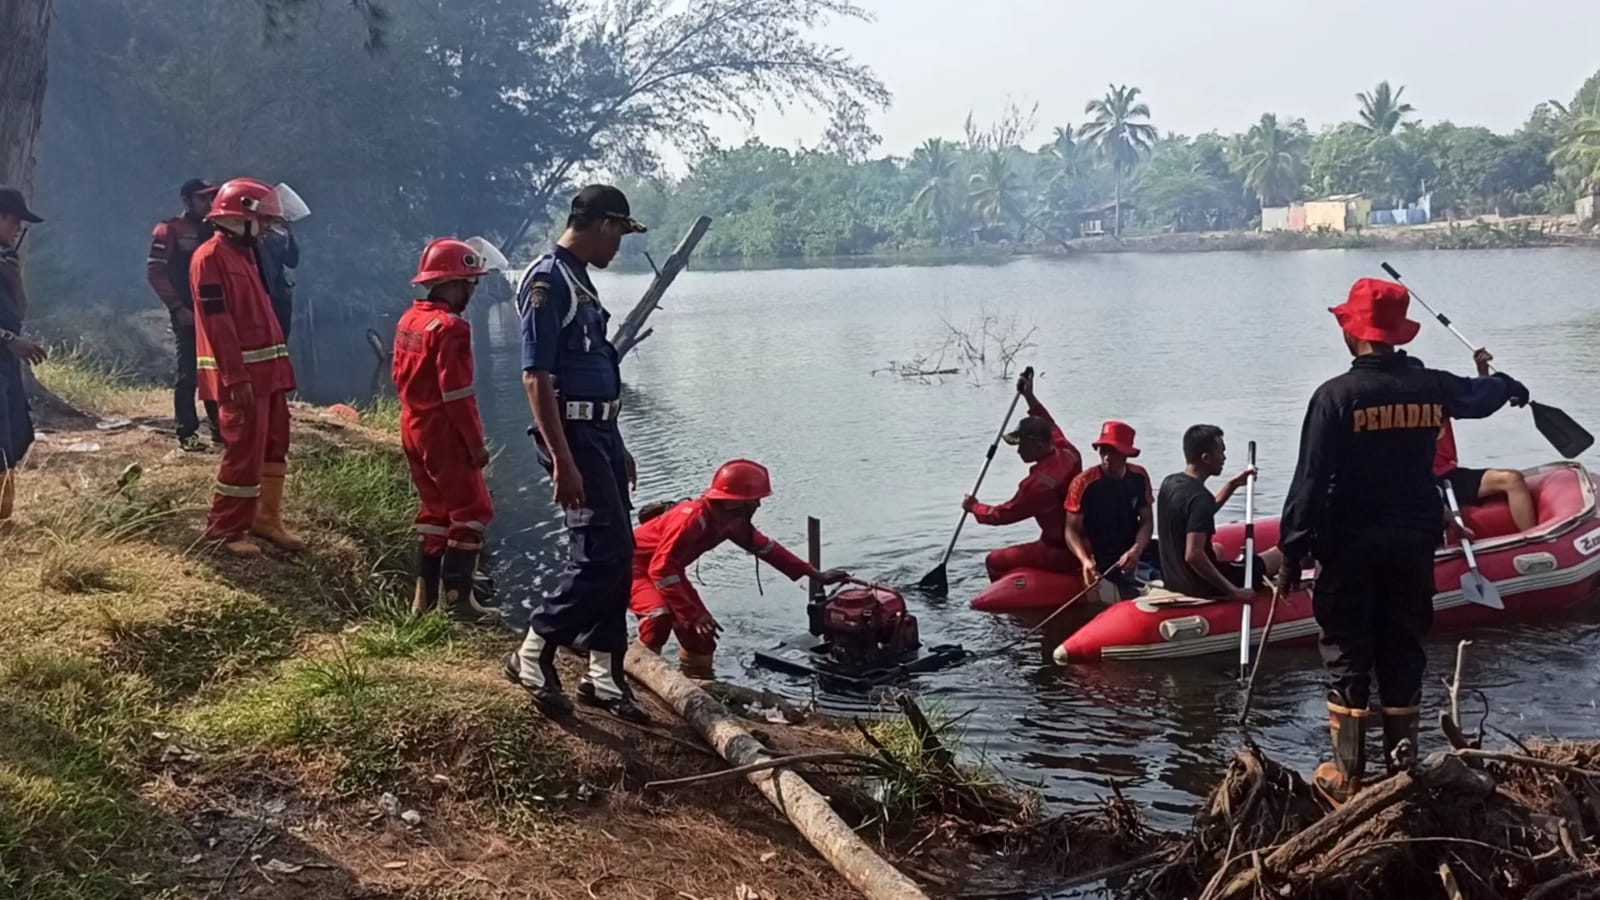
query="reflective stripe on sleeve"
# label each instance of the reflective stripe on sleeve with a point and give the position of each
(669, 581)
(459, 394)
(266, 354)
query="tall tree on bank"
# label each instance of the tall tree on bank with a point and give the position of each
(656, 73)
(1270, 161)
(995, 187)
(934, 166)
(25, 25)
(1381, 111)
(1120, 127)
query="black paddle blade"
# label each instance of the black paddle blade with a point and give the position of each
(935, 582)
(1568, 437)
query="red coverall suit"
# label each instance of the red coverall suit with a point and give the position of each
(440, 428)
(1040, 496)
(662, 597)
(238, 340)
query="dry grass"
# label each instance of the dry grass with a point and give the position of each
(101, 389)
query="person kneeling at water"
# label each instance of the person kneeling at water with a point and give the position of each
(1186, 514)
(1109, 515)
(664, 547)
(1473, 486)
(1041, 496)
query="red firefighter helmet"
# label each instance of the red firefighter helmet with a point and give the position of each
(246, 197)
(740, 479)
(447, 259)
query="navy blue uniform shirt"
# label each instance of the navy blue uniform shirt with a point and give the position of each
(1365, 475)
(564, 328)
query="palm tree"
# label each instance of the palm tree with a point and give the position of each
(994, 188)
(935, 165)
(1122, 131)
(1381, 110)
(1577, 153)
(1270, 161)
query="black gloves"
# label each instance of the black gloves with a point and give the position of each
(1516, 391)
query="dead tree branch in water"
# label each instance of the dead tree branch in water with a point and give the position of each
(986, 339)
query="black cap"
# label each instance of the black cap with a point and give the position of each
(196, 186)
(1031, 428)
(606, 202)
(12, 204)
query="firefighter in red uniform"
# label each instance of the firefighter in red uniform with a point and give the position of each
(1041, 496)
(172, 247)
(664, 547)
(440, 428)
(244, 366)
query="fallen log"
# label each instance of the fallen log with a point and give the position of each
(632, 331)
(816, 821)
(1437, 772)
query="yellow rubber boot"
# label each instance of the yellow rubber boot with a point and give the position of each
(697, 666)
(241, 547)
(269, 511)
(8, 498)
(1340, 779)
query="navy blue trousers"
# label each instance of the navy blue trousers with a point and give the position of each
(588, 609)
(16, 428)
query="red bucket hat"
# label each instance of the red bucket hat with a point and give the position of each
(1376, 311)
(1118, 436)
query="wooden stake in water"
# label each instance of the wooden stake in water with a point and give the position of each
(1249, 562)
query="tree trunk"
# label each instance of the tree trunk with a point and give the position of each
(1116, 213)
(632, 330)
(25, 25)
(816, 821)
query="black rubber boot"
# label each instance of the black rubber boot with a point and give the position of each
(460, 568)
(547, 696)
(427, 593)
(1339, 780)
(1402, 727)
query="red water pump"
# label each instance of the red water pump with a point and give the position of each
(868, 625)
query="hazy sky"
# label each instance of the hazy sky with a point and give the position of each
(1204, 64)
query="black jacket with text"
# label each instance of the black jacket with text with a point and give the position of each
(1365, 475)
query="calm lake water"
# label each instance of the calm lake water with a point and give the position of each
(778, 366)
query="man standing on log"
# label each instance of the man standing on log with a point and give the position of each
(172, 246)
(570, 371)
(244, 365)
(1365, 505)
(16, 427)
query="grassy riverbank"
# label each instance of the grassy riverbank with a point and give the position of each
(177, 724)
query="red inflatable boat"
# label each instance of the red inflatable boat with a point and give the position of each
(1548, 569)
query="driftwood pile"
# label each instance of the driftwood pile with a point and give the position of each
(1466, 824)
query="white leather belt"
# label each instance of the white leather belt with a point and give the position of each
(590, 411)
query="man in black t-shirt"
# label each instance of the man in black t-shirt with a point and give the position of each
(1186, 517)
(1109, 515)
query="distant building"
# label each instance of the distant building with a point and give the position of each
(1585, 207)
(1098, 221)
(1274, 218)
(1340, 212)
